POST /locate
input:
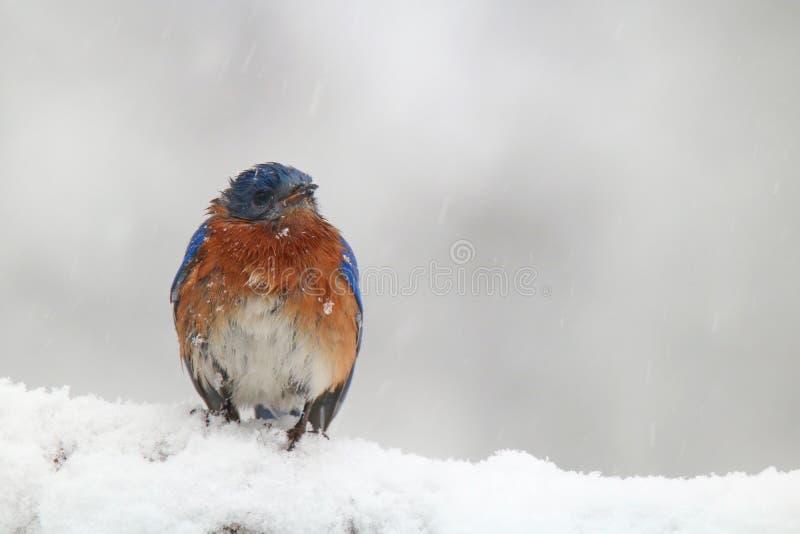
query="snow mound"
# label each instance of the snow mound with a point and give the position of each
(86, 465)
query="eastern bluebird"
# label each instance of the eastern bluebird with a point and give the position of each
(267, 304)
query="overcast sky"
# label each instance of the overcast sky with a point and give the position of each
(640, 157)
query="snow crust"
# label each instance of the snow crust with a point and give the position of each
(87, 465)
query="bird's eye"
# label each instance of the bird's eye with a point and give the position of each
(260, 198)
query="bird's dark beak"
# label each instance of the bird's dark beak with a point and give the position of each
(301, 192)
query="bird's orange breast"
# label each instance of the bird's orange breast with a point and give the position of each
(296, 262)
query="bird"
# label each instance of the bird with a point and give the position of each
(267, 305)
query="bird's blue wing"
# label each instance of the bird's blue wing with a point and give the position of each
(349, 266)
(191, 253)
(327, 405)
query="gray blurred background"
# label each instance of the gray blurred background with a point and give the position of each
(641, 156)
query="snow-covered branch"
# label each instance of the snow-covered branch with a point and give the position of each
(86, 465)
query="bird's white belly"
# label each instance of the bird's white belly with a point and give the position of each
(266, 358)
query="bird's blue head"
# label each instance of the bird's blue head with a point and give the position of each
(265, 191)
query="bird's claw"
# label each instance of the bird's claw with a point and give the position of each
(230, 416)
(321, 433)
(204, 414)
(294, 435)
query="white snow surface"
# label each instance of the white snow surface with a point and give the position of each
(87, 465)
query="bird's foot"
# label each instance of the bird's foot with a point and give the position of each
(228, 411)
(205, 415)
(299, 429)
(294, 435)
(229, 415)
(320, 432)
